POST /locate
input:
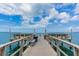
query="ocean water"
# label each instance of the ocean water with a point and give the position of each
(5, 37)
(75, 37)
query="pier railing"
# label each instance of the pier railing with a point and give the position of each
(67, 46)
(22, 42)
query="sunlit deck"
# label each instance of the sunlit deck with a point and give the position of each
(42, 48)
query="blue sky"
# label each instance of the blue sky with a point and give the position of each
(55, 17)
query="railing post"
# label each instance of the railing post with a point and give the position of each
(2, 51)
(57, 43)
(58, 52)
(74, 51)
(22, 44)
(77, 52)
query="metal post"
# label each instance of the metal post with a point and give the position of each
(58, 52)
(77, 52)
(10, 47)
(74, 51)
(22, 44)
(70, 39)
(2, 51)
(45, 31)
(45, 34)
(57, 44)
(71, 34)
(34, 30)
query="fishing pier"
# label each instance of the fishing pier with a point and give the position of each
(46, 45)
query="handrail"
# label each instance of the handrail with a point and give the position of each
(59, 49)
(18, 50)
(3, 46)
(57, 40)
(69, 43)
(9, 43)
(15, 52)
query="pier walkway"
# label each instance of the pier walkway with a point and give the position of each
(41, 48)
(57, 47)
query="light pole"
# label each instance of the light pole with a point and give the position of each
(10, 33)
(34, 30)
(10, 47)
(45, 31)
(71, 35)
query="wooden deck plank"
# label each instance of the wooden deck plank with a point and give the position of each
(42, 48)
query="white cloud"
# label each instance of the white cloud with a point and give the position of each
(76, 17)
(21, 9)
(53, 12)
(45, 21)
(64, 21)
(6, 10)
(15, 8)
(64, 17)
(26, 20)
(24, 10)
(26, 7)
(77, 9)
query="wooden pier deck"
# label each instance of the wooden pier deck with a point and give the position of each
(42, 48)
